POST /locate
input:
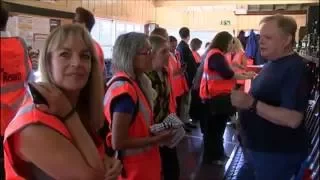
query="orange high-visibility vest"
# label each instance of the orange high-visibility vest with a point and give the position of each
(140, 163)
(15, 167)
(212, 84)
(172, 99)
(184, 80)
(196, 56)
(14, 71)
(237, 59)
(179, 82)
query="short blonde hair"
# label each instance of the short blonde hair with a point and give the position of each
(287, 24)
(157, 42)
(90, 103)
(125, 49)
(160, 32)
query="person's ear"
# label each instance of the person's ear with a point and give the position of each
(288, 40)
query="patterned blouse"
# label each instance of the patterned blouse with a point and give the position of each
(161, 102)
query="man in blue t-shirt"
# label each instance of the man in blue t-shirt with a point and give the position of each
(271, 115)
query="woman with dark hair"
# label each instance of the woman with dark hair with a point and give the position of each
(217, 81)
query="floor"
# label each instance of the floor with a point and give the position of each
(190, 152)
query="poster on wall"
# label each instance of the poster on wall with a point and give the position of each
(24, 27)
(54, 23)
(40, 25)
(39, 41)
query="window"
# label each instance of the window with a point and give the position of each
(204, 36)
(120, 28)
(130, 28)
(174, 32)
(138, 28)
(105, 32)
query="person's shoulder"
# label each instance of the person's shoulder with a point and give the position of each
(216, 56)
(296, 61)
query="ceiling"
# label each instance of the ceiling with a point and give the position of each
(167, 3)
(243, 8)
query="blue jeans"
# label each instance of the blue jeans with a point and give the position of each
(270, 166)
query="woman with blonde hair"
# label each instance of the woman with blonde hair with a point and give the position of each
(236, 55)
(164, 103)
(237, 58)
(128, 108)
(54, 137)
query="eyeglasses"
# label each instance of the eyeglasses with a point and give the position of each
(146, 53)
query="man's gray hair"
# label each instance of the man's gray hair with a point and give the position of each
(125, 49)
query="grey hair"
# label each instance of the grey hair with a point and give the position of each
(125, 49)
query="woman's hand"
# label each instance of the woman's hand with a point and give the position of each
(58, 103)
(113, 168)
(164, 136)
(251, 74)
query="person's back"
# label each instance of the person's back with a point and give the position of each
(15, 69)
(186, 55)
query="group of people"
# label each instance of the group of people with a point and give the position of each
(68, 133)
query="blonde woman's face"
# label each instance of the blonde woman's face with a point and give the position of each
(71, 64)
(161, 56)
(143, 60)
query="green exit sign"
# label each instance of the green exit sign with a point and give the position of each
(225, 22)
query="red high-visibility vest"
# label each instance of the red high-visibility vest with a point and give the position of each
(236, 59)
(14, 72)
(196, 56)
(140, 163)
(179, 82)
(15, 167)
(212, 84)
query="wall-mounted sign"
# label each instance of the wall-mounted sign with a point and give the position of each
(54, 23)
(225, 22)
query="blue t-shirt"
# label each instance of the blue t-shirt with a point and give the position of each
(281, 83)
(123, 104)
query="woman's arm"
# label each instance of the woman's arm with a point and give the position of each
(121, 139)
(84, 142)
(218, 63)
(55, 155)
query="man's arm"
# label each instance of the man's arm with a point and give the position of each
(294, 101)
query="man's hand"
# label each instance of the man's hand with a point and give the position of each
(241, 100)
(113, 168)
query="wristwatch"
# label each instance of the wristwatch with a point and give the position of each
(253, 107)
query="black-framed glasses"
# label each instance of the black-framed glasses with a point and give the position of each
(145, 53)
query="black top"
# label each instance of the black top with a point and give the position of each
(281, 83)
(188, 59)
(218, 63)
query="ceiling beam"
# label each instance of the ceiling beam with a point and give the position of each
(295, 12)
(173, 3)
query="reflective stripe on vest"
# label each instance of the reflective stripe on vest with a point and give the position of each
(27, 115)
(14, 72)
(132, 152)
(11, 87)
(144, 113)
(211, 77)
(142, 108)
